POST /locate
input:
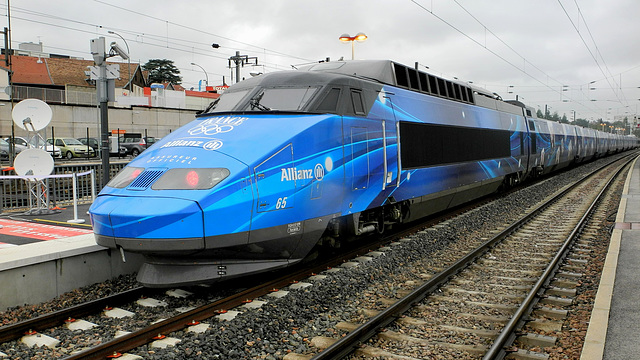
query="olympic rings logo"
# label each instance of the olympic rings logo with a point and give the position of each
(210, 129)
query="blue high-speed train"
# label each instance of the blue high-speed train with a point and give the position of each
(290, 160)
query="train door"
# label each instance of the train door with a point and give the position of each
(357, 162)
(276, 180)
(390, 148)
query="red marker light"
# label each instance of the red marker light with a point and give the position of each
(192, 178)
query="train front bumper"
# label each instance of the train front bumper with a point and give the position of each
(148, 224)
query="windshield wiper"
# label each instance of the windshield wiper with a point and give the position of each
(211, 106)
(255, 103)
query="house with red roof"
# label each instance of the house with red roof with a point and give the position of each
(59, 79)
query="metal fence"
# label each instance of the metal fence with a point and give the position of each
(17, 193)
(51, 96)
(169, 99)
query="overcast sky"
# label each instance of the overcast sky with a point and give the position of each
(545, 51)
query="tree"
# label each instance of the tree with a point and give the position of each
(162, 70)
(564, 119)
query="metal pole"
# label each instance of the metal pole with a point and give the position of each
(93, 186)
(104, 122)
(238, 62)
(353, 51)
(206, 81)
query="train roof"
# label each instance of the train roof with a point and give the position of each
(382, 72)
(396, 74)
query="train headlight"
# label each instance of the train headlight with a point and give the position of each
(190, 179)
(125, 177)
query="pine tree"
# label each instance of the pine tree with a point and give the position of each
(162, 70)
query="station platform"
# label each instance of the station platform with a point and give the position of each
(43, 256)
(614, 327)
(18, 228)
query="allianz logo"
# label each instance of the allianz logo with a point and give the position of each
(293, 173)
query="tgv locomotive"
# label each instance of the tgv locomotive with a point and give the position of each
(291, 160)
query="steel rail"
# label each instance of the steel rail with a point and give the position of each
(507, 335)
(364, 332)
(181, 321)
(53, 319)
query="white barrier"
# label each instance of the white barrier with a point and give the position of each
(74, 176)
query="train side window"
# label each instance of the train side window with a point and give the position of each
(401, 75)
(425, 145)
(433, 85)
(450, 90)
(330, 101)
(442, 87)
(532, 125)
(464, 94)
(424, 83)
(456, 88)
(413, 78)
(356, 100)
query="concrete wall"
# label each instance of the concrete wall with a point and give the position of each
(38, 272)
(73, 121)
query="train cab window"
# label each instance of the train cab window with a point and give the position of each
(284, 99)
(228, 101)
(330, 101)
(356, 100)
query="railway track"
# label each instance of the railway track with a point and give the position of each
(187, 319)
(478, 306)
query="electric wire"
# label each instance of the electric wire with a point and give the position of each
(595, 59)
(495, 53)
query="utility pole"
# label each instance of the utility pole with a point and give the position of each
(99, 58)
(105, 76)
(239, 61)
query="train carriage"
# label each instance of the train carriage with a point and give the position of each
(288, 161)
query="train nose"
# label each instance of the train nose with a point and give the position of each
(146, 223)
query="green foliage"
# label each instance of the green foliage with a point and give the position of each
(162, 70)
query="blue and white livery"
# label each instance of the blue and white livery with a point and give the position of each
(289, 160)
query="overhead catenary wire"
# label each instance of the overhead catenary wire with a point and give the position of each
(595, 59)
(484, 46)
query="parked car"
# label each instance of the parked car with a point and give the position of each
(54, 151)
(136, 145)
(18, 144)
(4, 150)
(71, 148)
(95, 144)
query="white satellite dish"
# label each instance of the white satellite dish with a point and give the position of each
(32, 114)
(36, 162)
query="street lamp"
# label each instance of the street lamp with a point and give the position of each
(206, 81)
(128, 60)
(345, 38)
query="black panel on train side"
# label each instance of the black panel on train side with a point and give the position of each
(430, 144)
